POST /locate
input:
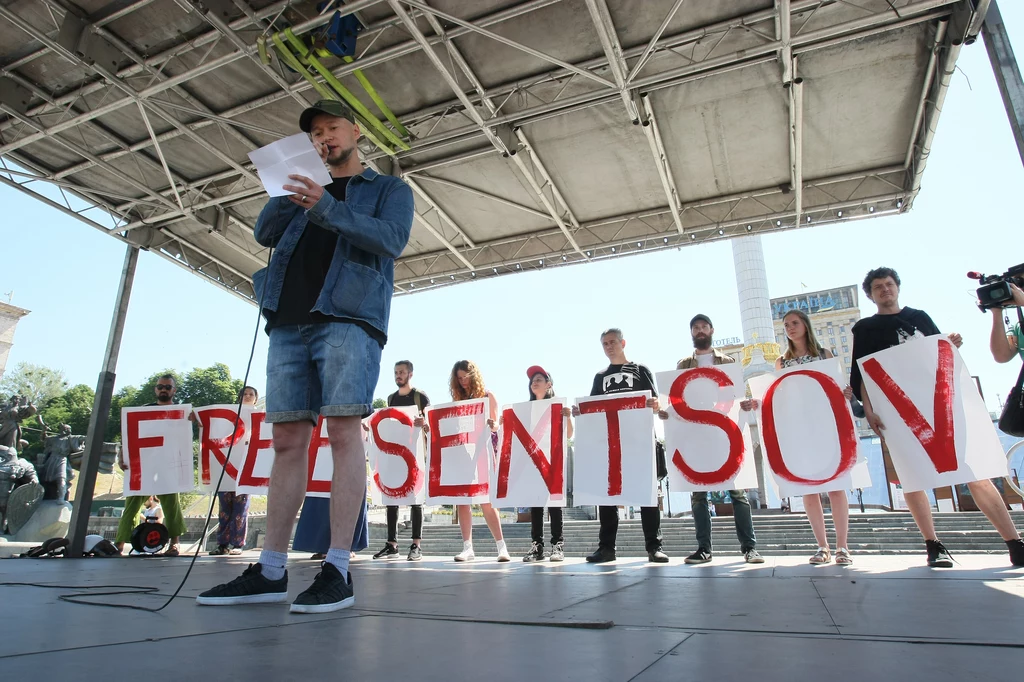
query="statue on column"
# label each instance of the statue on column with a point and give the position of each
(53, 464)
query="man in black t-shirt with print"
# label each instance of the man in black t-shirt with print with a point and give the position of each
(623, 376)
(405, 396)
(891, 326)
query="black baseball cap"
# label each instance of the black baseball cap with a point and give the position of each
(701, 318)
(331, 107)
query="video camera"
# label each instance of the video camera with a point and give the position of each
(995, 290)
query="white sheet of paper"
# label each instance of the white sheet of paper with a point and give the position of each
(396, 479)
(158, 449)
(705, 448)
(292, 155)
(459, 473)
(320, 462)
(254, 477)
(525, 486)
(913, 366)
(592, 478)
(215, 442)
(806, 429)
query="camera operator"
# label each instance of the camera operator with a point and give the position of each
(1005, 345)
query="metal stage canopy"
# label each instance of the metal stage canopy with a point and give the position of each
(534, 134)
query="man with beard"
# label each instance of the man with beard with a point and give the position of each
(623, 376)
(326, 295)
(165, 389)
(405, 396)
(704, 355)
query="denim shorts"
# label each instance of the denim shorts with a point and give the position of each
(312, 369)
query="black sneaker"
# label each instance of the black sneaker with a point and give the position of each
(601, 556)
(657, 556)
(557, 552)
(536, 553)
(249, 588)
(701, 556)
(1016, 548)
(329, 592)
(752, 556)
(389, 552)
(414, 553)
(938, 557)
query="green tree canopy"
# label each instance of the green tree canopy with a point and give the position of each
(39, 384)
(378, 403)
(74, 407)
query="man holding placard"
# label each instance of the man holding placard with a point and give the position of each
(165, 389)
(623, 376)
(702, 332)
(892, 326)
(405, 396)
(326, 295)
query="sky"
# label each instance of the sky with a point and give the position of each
(965, 218)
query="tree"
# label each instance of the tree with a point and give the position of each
(73, 408)
(209, 386)
(378, 403)
(39, 384)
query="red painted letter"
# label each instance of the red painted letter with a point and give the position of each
(136, 443)
(318, 441)
(938, 440)
(415, 475)
(256, 443)
(710, 418)
(439, 443)
(551, 471)
(611, 408)
(215, 446)
(844, 426)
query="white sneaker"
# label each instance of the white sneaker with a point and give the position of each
(466, 555)
(503, 555)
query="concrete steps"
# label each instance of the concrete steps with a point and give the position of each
(777, 535)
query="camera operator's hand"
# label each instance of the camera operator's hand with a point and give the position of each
(956, 339)
(1018, 296)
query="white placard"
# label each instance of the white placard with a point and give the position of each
(531, 469)
(808, 433)
(320, 462)
(614, 451)
(158, 443)
(216, 439)
(707, 441)
(937, 427)
(254, 477)
(459, 452)
(292, 155)
(396, 453)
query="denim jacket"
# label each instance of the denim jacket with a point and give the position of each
(373, 226)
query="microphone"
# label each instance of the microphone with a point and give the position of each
(975, 275)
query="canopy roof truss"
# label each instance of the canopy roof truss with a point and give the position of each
(541, 133)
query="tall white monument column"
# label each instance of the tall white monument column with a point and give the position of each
(9, 316)
(755, 306)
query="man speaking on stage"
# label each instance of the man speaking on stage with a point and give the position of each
(326, 295)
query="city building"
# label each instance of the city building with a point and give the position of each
(9, 316)
(832, 312)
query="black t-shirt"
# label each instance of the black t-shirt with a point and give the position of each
(878, 332)
(306, 273)
(415, 398)
(624, 379)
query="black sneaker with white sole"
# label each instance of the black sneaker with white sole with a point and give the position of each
(330, 591)
(415, 554)
(1016, 548)
(249, 588)
(938, 556)
(536, 553)
(602, 556)
(657, 556)
(701, 556)
(389, 552)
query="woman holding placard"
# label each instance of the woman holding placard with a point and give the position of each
(466, 383)
(802, 347)
(541, 388)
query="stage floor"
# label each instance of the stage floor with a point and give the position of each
(883, 618)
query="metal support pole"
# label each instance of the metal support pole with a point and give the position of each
(101, 408)
(1004, 66)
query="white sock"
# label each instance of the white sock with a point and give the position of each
(467, 545)
(501, 546)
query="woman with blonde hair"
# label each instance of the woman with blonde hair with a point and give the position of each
(466, 383)
(802, 346)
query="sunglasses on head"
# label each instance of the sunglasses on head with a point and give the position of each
(164, 387)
